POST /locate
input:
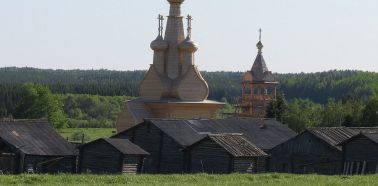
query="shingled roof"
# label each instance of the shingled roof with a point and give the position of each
(264, 133)
(259, 71)
(371, 135)
(125, 146)
(237, 145)
(336, 135)
(34, 137)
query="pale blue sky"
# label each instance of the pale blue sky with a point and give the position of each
(299, 35)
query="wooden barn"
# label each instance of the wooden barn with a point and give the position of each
(226, 153)
(360, 154)
(315, 150)
(167, 140)
(34, 147)
(114, 156)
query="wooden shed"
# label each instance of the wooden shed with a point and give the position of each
(360, 154)
(226, 153)
(315, 150)
(33, 146)
(114, 156)
(167, 140)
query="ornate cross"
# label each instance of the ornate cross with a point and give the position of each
(161, 20)
(190, 19)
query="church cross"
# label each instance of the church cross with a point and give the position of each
(161, 19)
(260, 30)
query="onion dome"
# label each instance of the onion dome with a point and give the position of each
(159, 44)
(188, 45)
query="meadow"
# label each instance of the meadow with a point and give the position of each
(195, 179)
(90, 134)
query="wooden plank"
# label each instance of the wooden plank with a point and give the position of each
(363, 168)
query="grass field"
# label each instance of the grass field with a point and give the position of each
(198, 179)
(90, 134)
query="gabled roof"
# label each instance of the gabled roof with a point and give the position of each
(125, 146)
(237, 145)
(333, 135)
(372, 135)
(336, 135)
(34, 137)
(264, 133)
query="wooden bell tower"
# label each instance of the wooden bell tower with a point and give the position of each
(259, 88)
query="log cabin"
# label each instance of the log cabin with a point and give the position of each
(360, 154)
(167, 140)
(32, 146)
(226, 153)
(114, 156)
(315, 150)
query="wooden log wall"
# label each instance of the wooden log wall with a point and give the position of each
(245, 165)
(148, 137)
(100, 158)
(360, 157)
(305, 154)
(209, 157)
(131, 164)
(48, 164)
(172, 156)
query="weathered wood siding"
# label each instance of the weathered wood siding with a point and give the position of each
(305, 154)
(360, 151)
(100, 158)
(209, 157)
(148, 137)
(172, 156)
(47, 164)
(249, 165)
(131, 164)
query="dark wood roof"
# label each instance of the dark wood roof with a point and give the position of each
(35, 138)
(237, 145)
(260, 72)
(336, 135)
(126, 147)
(264, 133)
(371, 135)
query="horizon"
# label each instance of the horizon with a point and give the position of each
(100, 69)
(115, 35)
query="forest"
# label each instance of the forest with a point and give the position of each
(93, 98)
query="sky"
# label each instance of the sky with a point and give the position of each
(298, 35)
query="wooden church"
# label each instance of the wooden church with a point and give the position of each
(173, 86)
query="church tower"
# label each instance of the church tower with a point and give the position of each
(259, 87)
(173, 86)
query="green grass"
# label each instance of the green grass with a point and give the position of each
(196, 179)
(90, 134)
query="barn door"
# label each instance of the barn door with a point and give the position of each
(7, 163)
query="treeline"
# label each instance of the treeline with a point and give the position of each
(93, 98)
(300, 114)
(92, 111)
(317, 87)
(35, 101)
